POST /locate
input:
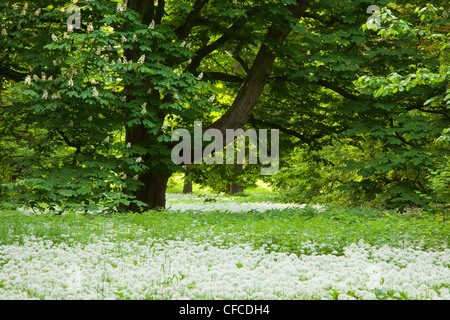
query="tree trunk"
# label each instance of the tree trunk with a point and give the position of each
(153, 193)
(187, 188)
(234, 188)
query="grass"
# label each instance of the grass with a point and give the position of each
(279, 230)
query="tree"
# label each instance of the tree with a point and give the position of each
(131, 67)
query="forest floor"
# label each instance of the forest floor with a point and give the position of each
(223, 247)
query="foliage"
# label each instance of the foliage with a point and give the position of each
(412, 104)
(77, 95)
(87, 114)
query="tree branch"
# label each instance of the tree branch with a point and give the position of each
(420, 108)
(11, 74)
(326, 84)
(252, 87)
(254, 121)
(159, 11)
(191, 20)
(223, 77)
(206, 50)
(68, 142)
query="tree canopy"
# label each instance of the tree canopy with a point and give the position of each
(91, 94)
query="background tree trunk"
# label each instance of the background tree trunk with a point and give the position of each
(187, 188)
(235, 187)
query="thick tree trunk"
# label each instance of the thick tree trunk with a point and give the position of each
(153, 193)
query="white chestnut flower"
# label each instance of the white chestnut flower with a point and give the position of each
(141, 59)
